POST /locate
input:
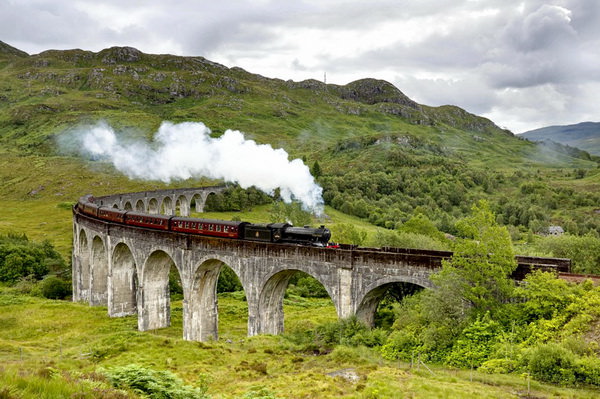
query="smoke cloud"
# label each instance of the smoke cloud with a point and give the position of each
(186, 150)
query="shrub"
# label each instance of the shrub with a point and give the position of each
(588, 370)
(54, 288)
(152, 383)
(21, 258)
(498, 366)
(552, 363)
(475, 344)
(401, 344)
(341, 331)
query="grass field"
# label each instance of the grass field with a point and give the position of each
(56, 349)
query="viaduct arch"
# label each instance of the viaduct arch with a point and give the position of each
(126, 268)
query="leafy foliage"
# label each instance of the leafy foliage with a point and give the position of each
(482, 264)
(293, 213)
(584, 251)
(20, 258)
(348, 234)
(53, 287)
(153, 383)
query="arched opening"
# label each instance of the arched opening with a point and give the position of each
(182, 206)
(153, 206)
(81, 282)
(166, 207)
(128, 206)
(376, 308)
(99, 273)
(196, 204)
(214, 279)
(154, 302)
(271, 302)
(214, 202)
(139, 206)
(123, 299)
(233, 305)
(202, 316)
(115, 206)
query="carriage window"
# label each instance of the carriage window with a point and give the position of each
(211, 227)
(218, 228)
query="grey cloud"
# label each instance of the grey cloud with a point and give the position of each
(487, 53)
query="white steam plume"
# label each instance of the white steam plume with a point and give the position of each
(185, 150)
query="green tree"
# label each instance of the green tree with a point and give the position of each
(420, 224)
(293, 213)
(482, 263)
(316, 170)
(348, 234)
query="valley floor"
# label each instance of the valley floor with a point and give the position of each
(54, 349)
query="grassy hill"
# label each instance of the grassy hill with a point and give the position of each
(585, 135)
(436, 160)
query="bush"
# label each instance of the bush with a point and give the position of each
(588, 370)
(552, 363)
(401, 345)
(54, 288)
(498, 366)
(308, 287)
(21, 258)
(152, 383)
(341, 331)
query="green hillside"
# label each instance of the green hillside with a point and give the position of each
(585, 135)
(382, 156)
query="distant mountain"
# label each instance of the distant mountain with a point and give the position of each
(585, 135)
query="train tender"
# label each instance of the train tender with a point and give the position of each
(274, 232)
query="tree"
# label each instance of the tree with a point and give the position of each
(316, 170)
(293, 213)
(482, 264)
(348, 234)
(420, 224)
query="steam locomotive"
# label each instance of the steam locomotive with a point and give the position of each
(273, 232)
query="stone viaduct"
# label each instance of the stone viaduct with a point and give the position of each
(126, 268)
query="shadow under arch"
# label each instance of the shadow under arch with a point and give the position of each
(154, 299)
(81, 285)
(153, 207)
(182, 206)
(98, 273)
(166, 206)
(201, 306)
(196, 203)
(123, 295)
(375, 293)
(270, 304)
(139, 206)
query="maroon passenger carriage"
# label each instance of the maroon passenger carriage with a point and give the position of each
(273, 232)
(210, 227)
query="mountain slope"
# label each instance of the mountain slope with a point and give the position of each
(585, 135)
(383, 156)
(46, 93)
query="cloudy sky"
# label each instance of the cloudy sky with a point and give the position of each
(524, 64)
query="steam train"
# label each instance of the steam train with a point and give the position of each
(273, 232)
